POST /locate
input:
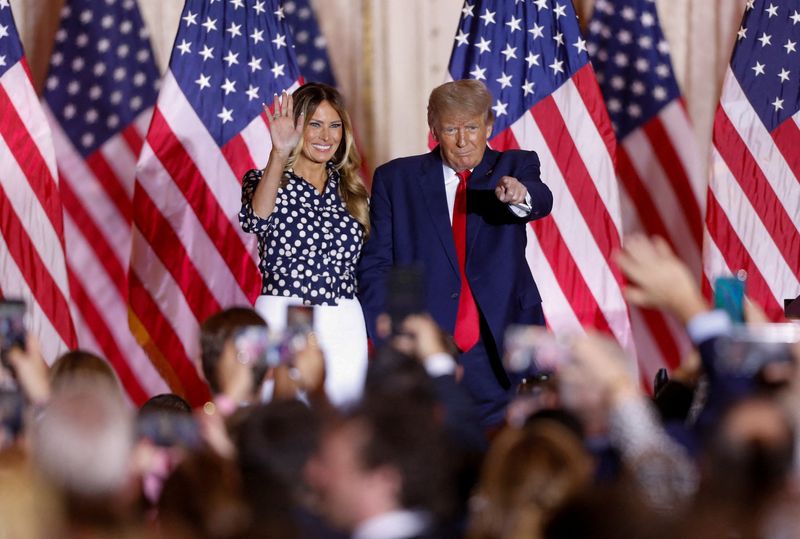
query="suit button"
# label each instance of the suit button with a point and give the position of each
(454, 295)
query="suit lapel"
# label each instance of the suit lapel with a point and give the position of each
(431, 185)
(480, 180)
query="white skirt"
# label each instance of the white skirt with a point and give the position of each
(342, 336)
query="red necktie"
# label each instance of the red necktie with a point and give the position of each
(467, 329)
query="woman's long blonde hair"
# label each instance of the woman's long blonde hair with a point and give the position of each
(346, 159)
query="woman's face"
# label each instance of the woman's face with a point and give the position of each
(322, 134)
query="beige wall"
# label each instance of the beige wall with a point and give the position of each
(389, 54)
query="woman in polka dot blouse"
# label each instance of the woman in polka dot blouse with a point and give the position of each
(309, 209)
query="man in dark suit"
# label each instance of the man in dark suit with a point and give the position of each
(460, 212)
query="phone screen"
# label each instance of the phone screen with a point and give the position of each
(729, 296)
(405, 294)
(12, 324)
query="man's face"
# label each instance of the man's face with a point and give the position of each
(338, 478)
(462, 139)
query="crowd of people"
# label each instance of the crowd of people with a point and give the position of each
(435, 435)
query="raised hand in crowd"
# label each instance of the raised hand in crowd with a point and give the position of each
(31, 370)
(658, 278)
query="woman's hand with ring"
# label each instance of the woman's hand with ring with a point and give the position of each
(283, 130)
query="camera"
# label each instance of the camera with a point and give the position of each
(263, 349)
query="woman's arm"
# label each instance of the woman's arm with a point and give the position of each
(285, 135)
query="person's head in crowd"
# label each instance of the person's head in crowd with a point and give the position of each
(77, 363)
(224, 372)
(274, 443)
(202, 500)
(393, 374)
(460, 119)
(166, 430)
(320, 104)
(377, 460)
(528, 474)
(749, 458)
(82, 442)
(165, 402)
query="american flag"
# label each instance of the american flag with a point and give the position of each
(753, 215)
(663, 186)
(190, 257)
(310, 46)
(32, 265)
(533, 59)
(99, 97)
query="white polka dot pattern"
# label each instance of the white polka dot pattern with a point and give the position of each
(309, 245)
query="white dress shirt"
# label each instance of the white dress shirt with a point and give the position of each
(451, 186)
(393, 525)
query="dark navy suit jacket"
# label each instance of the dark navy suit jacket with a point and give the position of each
(410, 223)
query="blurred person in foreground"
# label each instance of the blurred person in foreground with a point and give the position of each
(460, 212)
(381, 472)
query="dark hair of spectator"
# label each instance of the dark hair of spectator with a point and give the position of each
(216, 331)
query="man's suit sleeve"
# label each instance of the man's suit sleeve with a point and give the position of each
(377, 256)
(529, 174)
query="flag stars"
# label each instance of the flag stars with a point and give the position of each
(235, 30)
(628, 13)
(532, 59)
(229, 86)
(237, 4)
(624, 37)
(660, 93)
(621, 59)
(778, 104)
(772, 10)
(663, 47)
(646, 42)
(783, 75)
(259, 7)
(790, 46)
(642, 65)
(559, 38)
(226, 115)
(795, 17)
(765, 39)
(662, 70)
(3, 4)
(3, 31)
(638, 87)
(462, 38)
(232, 58)
(207, 53)
(279, 13)
(210, 24)
(509, 52)
(742, 33)
(280, 41)
(488, 17)
(478, 73)
(617, 82)
(277, 70)
(185, 47)
(540, 4)
(513, 24)
(499, 108)
(559, 12)
(750, 4)
(537, 31)
(580, 45)
(2, 60)
(468, 10)
(557, 66)
(252, 92)
(647, 19)
(484, 45)
(255, 64)
(614, 105)
(634, 110)
(504, 80)
(204, 81)
(527, 87)
(257, 36)
(758, 68)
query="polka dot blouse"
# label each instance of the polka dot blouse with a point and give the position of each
(309, 245)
